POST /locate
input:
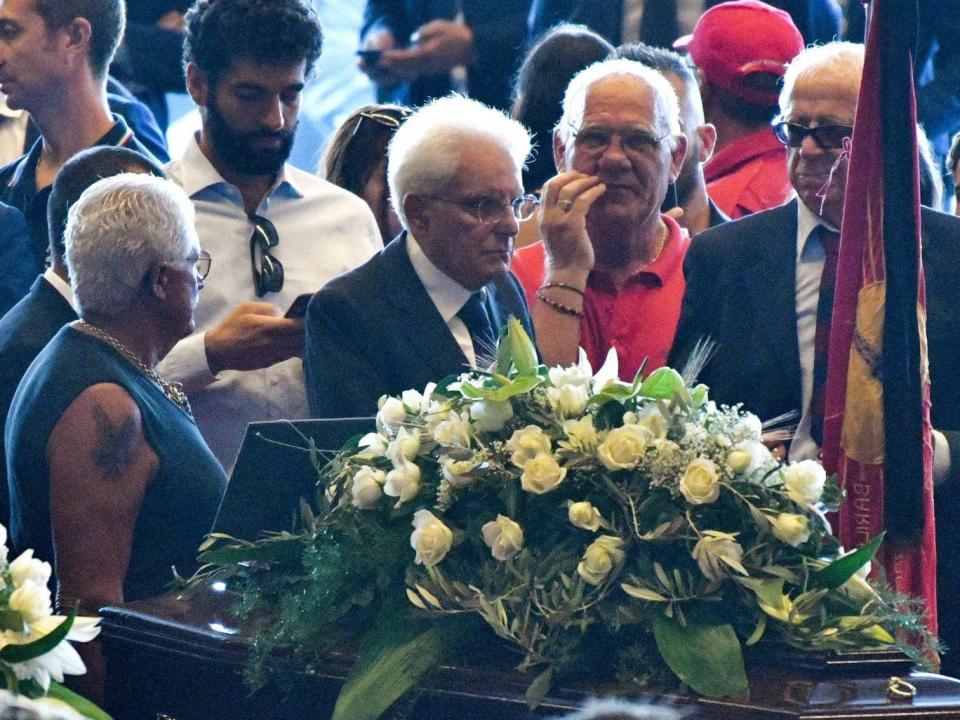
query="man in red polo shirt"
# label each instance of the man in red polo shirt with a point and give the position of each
(608, 272)
(741, 50)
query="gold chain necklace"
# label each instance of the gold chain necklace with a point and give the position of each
(173, 390)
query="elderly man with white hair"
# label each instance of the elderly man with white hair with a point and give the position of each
(110, 479)
(433, 301)
(608, 272)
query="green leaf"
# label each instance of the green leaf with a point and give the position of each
(77, 702)
(539, 688)
(842, 569)
(268, 550)
(704, 653)
(41, 646)
(11, 620)
(521, 349)
(397, 653)
(662, 384)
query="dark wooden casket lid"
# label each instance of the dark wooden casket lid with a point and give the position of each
(182, 655)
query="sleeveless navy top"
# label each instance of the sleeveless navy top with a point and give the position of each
(179, 504)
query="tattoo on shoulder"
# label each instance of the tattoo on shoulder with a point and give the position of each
(115, 443)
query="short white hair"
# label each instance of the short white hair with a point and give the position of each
(829, 60)
(118, 230)
(424, 154)
(666, 105)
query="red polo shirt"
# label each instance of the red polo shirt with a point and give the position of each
(640, 320)
(749, 174)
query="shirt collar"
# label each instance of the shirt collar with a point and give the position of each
(60, 285)
(447, 294)
(118, 136)
(198, 174)
(740, 152)
(807, 222)
(673, 252)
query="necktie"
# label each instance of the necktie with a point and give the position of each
(821, 346)
(475, 316)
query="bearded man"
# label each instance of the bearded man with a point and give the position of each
(277, 232)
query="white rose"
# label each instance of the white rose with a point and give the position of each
(458, 473)
(504, 537)
(367, 487)
(431, 538)
(403, 482)
(526, 443)
(568, 400)
(700, 484)
(413, 401)
(454, 431)
(491, 415)
(26, 567)
(623, 448)
(716, 549)
(652, 420)
(374, 445)
(582, 436)
(579, 374)
(804, 481)
(31, 600)
(602, 556)
(392, 414)
(542, 474)
(3, 544)
(790, 528)
(747, 456)
(857, 586)
(405, 445)
(584, 516)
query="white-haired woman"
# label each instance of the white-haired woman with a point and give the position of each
(110, 478)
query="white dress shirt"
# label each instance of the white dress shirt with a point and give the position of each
(810, 260)
(324, 231)
(447, 294)
(61, 286)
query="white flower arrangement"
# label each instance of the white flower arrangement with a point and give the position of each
(572, 511)
(35, 650)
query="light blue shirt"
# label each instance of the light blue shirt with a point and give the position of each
(810, 259)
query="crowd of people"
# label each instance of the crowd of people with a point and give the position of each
(635, 197)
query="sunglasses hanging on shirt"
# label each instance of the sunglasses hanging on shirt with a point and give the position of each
(267, 269)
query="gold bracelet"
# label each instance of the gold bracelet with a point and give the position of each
(558, 306)
(562, 286)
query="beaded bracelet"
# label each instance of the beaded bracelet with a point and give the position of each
(562, 286)
(558, 306)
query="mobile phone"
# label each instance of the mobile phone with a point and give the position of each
(299, 307)
(670, 200)
(371, 56)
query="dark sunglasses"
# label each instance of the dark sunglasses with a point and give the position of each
(391, 118)
(828, 137)
(267, 270)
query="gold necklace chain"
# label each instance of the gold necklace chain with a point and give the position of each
(664, 236)
(173, 390)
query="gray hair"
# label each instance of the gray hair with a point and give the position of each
(118, 230)
(666, 105)
(424, 154)
(831, 59)
(612, 709)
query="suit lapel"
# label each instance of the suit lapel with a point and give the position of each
(769, 280)
(416, 318)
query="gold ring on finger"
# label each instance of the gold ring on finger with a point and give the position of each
(565, 205)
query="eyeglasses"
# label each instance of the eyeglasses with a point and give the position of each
(488, 210)
(202, 264)
(595, 139)
(827, 137)
(267, 270)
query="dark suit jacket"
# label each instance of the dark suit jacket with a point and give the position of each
(499, 34)
(375, 330)
(740, 292)
(24, 332)
(17, 270)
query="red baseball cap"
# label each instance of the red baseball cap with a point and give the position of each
(734, 40)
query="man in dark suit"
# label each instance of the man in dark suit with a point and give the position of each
(432, 302)
(753, 288)
(422, 41)
(32, 322)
